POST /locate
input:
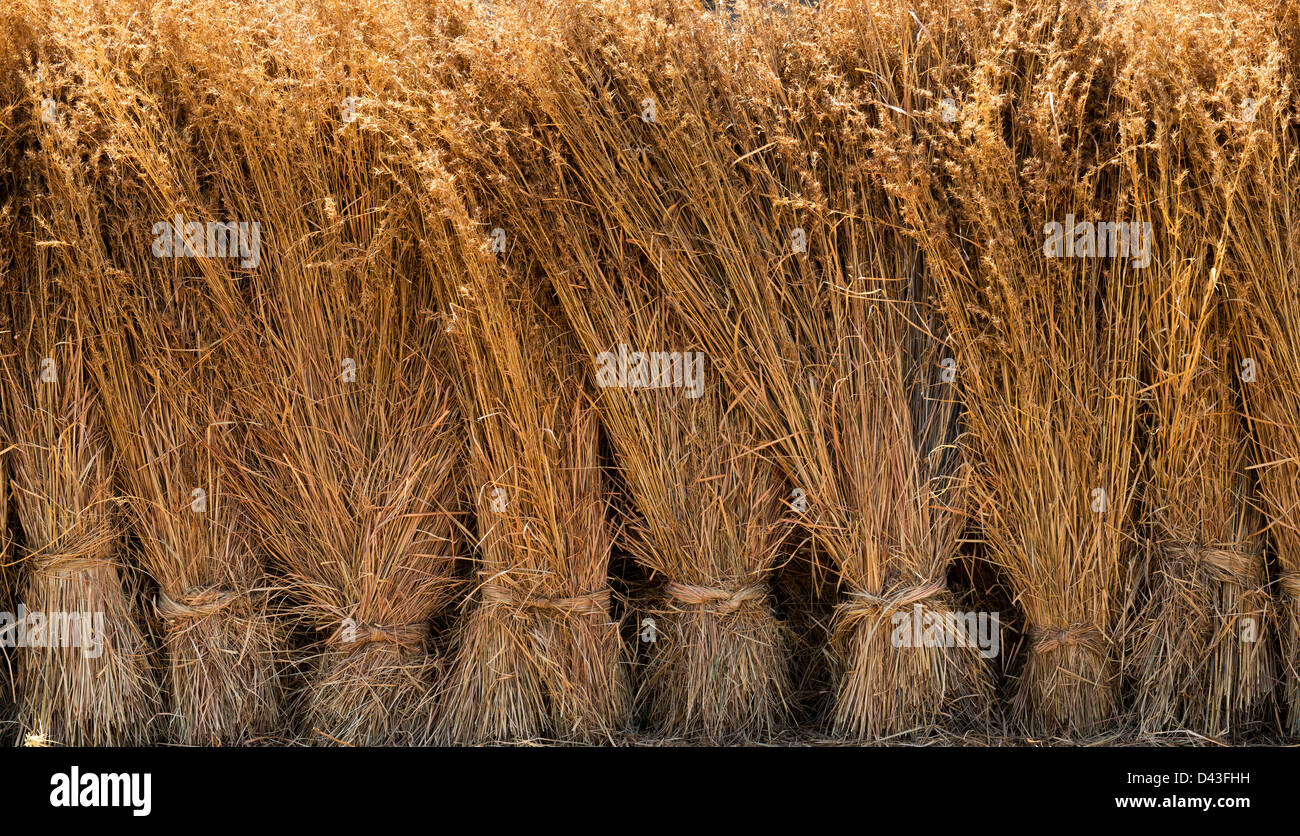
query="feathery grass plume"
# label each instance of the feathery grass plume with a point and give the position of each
(816, 332)
(154, 355)
(1047, 349)
(1262, 242)
(94, 686)
(1199, 644)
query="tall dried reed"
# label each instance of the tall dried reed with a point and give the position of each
(149, 324)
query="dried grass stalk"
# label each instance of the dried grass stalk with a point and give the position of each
(707, 507)
(355, 473)
(538, 653)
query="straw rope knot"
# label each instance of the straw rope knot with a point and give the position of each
(861, 606)
(88, 552)
(405, 636)
(594, 603)
(196, 603)
(1227, 565)
(1047, 639)
(722, 600)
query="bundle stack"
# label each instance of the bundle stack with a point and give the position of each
(149, 322)
(761, 225)
(348, 459)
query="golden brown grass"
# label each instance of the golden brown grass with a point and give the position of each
(1200, 654)
(1047, 350)
(155, 360)
(73, 550)
(1260, 239)
(386, 417)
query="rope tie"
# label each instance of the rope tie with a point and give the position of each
(861, 606)
(722, 600)
(91, 551)
(196, 603)
(63, 565)
(1227, 565)
(591, 603)
(1289, 582)
(402, 635)
(1047, 639)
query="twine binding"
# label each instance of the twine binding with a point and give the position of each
(722, 600)
(595, 603)
(1047, 639)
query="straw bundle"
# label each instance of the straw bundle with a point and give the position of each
(1199, 655)
(1047, 349)
(538, 654)
(355, 472)
(352, 490)
(345, 449)
(95, 687)
(708, 512)
(218, 640)
(153, 350)
(1262, 248)
(819, 347)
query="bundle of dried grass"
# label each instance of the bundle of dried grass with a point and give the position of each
(355, 439)
(538, 654)
(153, 343)
(1199, 645)
(1047, 349)
(345, 449)
(762, 225)
(219, 643)
(352, 489)
(84, 676)
(1259, 201)
(708, 508)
